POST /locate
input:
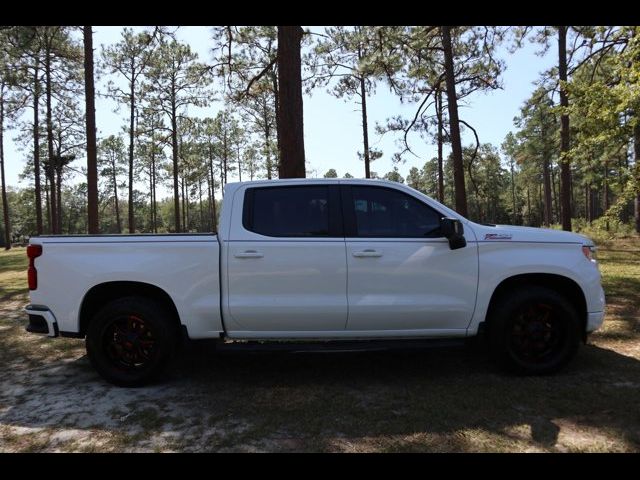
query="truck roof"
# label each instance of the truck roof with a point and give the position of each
(314, 180)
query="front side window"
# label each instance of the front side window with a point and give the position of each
(288, 211)
(384, 212)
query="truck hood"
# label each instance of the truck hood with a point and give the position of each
(510, 233)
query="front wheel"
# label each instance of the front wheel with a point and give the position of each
(534, 331)
(129, 341)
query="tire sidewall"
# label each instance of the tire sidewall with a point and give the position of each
(504, 317)
(155, 319)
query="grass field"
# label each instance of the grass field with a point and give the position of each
(451, 400)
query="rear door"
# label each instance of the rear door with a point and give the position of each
(286, 260)
(402, 275)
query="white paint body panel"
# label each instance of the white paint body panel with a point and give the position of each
(314, 288)
(295, 285)
(414, 284)
(185, 267)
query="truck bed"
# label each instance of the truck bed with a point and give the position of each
(184, 265)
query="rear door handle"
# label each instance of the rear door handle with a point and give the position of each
(368, 253)
(249, 254)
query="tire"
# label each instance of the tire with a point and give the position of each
(534, 331)
(130, 340)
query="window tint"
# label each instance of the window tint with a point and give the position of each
(288, 211)
(384, 212)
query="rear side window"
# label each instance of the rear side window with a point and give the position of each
(384, 212)
(287, 211)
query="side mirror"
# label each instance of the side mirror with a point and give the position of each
(453, 230)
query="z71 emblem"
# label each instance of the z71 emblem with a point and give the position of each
(497, 236)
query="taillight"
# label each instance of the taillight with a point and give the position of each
(33, 252)
(589, 251)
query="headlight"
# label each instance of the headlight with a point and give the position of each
(589, 251)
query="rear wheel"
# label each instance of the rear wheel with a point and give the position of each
(534, 330)
(129, 341)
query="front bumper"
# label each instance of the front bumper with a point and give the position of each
(594, 321)
(41, 320)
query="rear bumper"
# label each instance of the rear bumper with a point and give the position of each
(41, 320)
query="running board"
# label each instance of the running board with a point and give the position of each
(337, 345)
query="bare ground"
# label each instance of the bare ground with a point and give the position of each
(429, 401)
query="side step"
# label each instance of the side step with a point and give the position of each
(337, 345)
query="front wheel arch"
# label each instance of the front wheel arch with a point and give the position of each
(565, 286)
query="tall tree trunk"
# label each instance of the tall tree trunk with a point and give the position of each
(290, 116)
(92, 154)
(225, 155)
(440, 145)
(115, 193)
(573, 194)
(221, 178)
(59, 195)
(565, 171)
(47, 202)
(155, 204)
(185, 225)
(587, 204)
(365, 130)
(214, 222)
(513, 191)
(540, 205)
(454, 124)
(187, 218)
(201, 226)
(636, 152)
(5, 203)
(50, 170)
(529, 206)
(132, 219)
(154, 211)
(623, 166)
(36, 146)
(239, 163)
(547, 190)
(276, 104)
(182, 214)
(556, 201)
(152, 191)
(267, 139)
(592, 206)
(174, 145)
(605, 193)
(209, 195)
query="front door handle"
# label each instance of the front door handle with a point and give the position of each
(368, 253)
(249, 254)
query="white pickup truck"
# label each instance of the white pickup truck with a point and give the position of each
(318, 260)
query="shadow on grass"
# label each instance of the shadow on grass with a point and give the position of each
(13, 261)
(316, 398)
(625, 287)
(11, 295)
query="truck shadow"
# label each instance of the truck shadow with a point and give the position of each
(451, 399)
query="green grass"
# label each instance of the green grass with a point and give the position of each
(13, 273)
(620, 267)
(431, 401)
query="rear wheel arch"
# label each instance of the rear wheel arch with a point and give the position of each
(102, 294)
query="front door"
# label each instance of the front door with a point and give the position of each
(402, 275)
(287, 266)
